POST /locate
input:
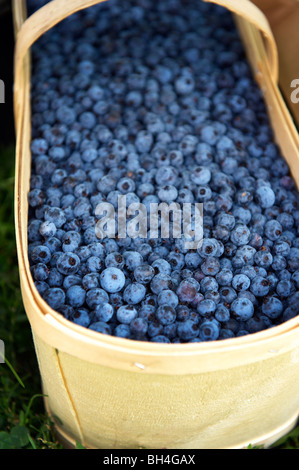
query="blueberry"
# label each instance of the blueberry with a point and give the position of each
(66, 115)
(187, 330)
(126, 313)
(240, 235)
(160, 282)
(259, 286)
(101, 327)
(112, 279)
(71, 280)
(183, 312)
(242, 308)
(71, 241)
(68, 263)
(134, 293)
(211, 266)
(192, 259)
(160, 339)
(75, 296)
(224, 277)
(144, 273)
(89, 155)
(47, 229)
(161, 265)
(126, 185)
(289, 313)
(203, 193)
(226, 220)
(285, 288)
(122, 331)
(96, 296)
(240, 282)
(222, 313)
(273, 229)
(176, 260)
(255, 324)
(87, 120)
(144, 141)
(184, 85)
(165, 314)
(97, 249)
(209, 330)
(272, 307)
(40, 272)
(166, 175)
(206, 307)
(226, 333)
(104, 312)
(228, 294)
(265, 196)
(114, 260)
(55, 278)
(201, 175)
(168, 193)
(39, 146)
(106, 184)
(41, 254)
(138, 327)
(132, 259)
(55, 297)
(81, 317)
(55, 215)
(209, 247)
(263, 258)
(208, 283)
(154, 326)
(295, 278)
(168, 297)
(186, 291)
(293, 259)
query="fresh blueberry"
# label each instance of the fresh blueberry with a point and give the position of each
(104, 312)
(134, 293)
(101, 327)
(168, 297)
(272, 307)
(187, 330)
(68, 263)
(126, 313)
(206, 308)
(209, 330)
(112, 279)
(144, 273)
(242, 308)
(55, 297)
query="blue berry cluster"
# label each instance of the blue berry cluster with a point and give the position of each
(155, 100)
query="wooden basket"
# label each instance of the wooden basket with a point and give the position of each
(108, 392)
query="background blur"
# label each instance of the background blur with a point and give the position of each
(6, 72)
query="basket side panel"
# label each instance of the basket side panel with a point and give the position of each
(54, 386)
(229, 408)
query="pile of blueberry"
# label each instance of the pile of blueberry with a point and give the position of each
(155, 101)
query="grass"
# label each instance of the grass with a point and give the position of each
(23, 421)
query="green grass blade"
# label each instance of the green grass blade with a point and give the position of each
(13, 370)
